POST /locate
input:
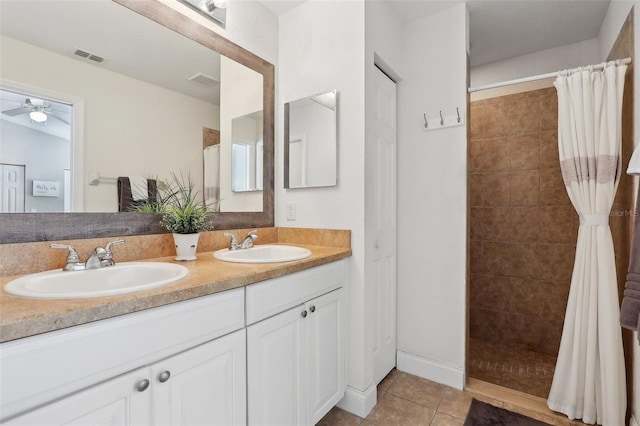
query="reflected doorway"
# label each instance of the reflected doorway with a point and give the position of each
(35, 152)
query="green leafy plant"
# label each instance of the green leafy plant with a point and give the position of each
(156, 204)
(182, 210)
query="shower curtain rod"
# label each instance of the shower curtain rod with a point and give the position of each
(624, 61)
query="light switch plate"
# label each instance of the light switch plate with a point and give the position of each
(291, 211)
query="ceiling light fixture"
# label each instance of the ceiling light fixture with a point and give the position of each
(212, 9)
(38, 116)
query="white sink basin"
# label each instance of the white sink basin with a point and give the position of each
(126, 277)
(265, 253)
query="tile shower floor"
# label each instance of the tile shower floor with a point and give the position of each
(407, 400)
(518, 369)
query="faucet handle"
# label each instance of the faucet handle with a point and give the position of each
(105, 255)
(233, 244)
(73, 254)
(73, 260)
(112, 243)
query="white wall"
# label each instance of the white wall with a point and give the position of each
(321, 49)
(546, 61)
(131, 127)
(44, 156)
(240, 94)
(432, 200)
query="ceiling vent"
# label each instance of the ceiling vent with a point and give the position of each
(204, 79)
(88, 56)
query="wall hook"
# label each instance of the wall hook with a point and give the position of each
(426, 122)
(441, 119)
(458, 112)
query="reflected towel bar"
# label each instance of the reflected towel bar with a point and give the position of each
(95, 179)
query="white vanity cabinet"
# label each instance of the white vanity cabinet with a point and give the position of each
(115, 402)
(296, 358)
(269, 353)
(180, 364)
(203, 385)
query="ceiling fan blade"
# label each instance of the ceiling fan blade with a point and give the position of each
(17, 111)
(49, 108)
(58, 118)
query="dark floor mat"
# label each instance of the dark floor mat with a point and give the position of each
(481, 414)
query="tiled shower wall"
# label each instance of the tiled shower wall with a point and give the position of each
(522, 225)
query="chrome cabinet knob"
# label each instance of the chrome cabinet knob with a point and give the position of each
(312, 308)
(164, 376)
(142, 385)
(304, 314)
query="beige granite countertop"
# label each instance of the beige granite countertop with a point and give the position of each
(21, 317)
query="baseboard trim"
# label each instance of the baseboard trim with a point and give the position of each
(634, 421)
(430, 369)
(359, 402)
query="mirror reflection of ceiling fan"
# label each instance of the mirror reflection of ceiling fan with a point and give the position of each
(39, 111)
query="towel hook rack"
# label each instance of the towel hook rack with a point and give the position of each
(443, 120)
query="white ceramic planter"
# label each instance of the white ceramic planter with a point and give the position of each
(186, 245)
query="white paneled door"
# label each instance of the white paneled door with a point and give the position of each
(12, 188)
(276, 370)
(325, 354)
(382, 224)
(203, 386)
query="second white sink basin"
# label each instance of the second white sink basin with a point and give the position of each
(125, 277)
(265, 253)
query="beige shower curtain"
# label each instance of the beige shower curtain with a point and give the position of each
(589, 380)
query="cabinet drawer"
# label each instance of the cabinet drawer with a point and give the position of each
(277, 295)
(38, 369)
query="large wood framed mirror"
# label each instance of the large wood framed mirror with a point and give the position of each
(114, 147)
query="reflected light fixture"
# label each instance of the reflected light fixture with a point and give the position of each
(216, 10)
(38, 116)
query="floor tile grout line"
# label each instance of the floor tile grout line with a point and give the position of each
(435, 410)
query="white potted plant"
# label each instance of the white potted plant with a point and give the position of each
(185, 215)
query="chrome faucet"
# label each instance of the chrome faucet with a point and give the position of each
(249, 239)
(99, 258)
(245, 244)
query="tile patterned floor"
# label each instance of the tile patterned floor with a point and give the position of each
(518, 369)
(407, 400)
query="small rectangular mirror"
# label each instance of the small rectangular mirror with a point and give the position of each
(311, 141)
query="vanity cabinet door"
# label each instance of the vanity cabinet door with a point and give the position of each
(325, 353)
(125, 400)
(276, 368)
(296, 364)
(205, 385)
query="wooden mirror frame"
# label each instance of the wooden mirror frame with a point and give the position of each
(31, 227)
